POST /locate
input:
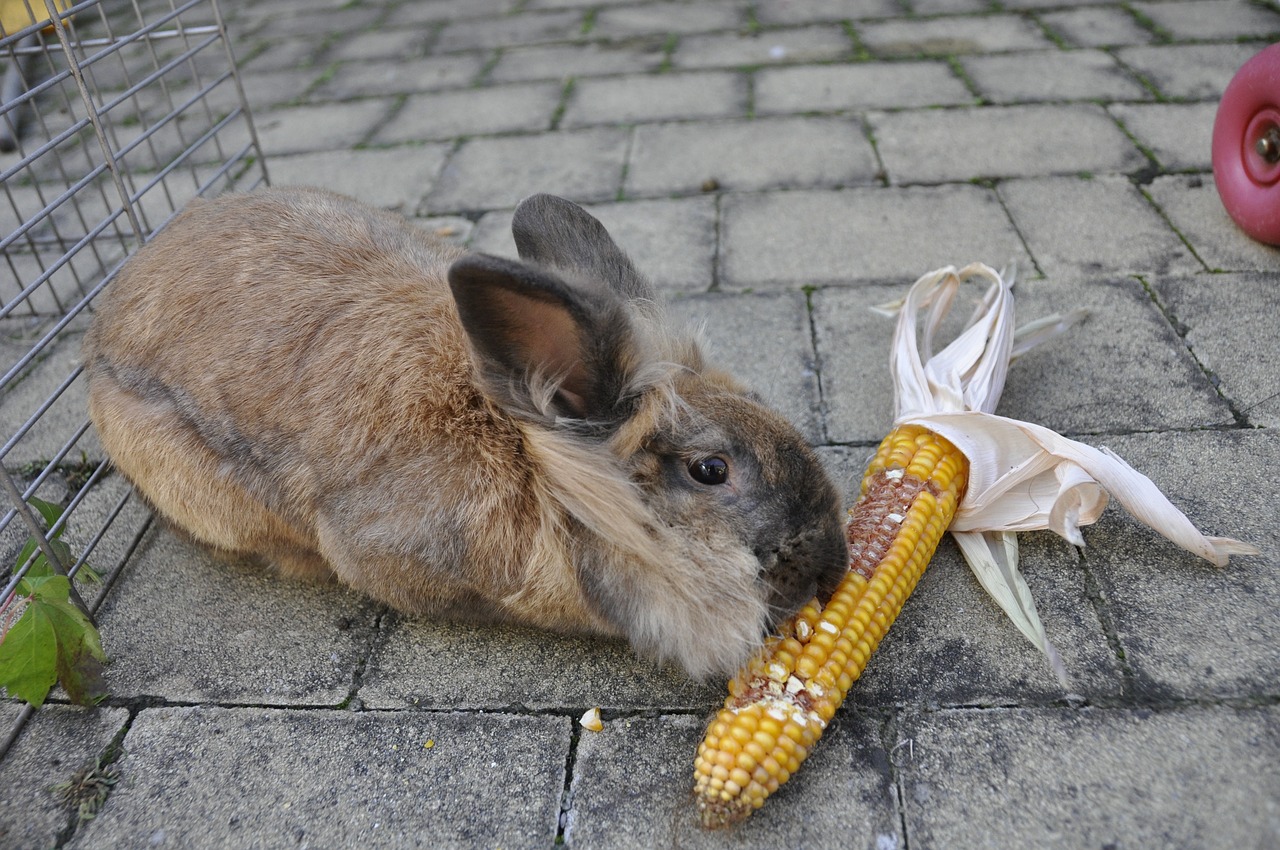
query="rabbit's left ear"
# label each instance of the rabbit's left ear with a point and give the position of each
(561, 235)
(531, 329)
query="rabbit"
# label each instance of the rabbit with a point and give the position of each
(290, 374)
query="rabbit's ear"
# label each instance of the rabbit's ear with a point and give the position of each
(559, 234)
(531, 329)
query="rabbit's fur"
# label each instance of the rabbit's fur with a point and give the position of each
(293, 374)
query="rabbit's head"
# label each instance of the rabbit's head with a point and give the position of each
(699, 518)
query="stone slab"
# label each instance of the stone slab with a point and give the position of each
(1057, 778)
(326, 127)
(480, 111)
(1238, 344)
(872, 85)
(807, 11)
(1094, 226)
(632, 781)
(1189, 629)
(1195, 210)
(813, 237)
(200, 776)
(56, 743)
(656, 97)
(927, 146)
(626, 21)
(184, 627)
(946, 36)
(562, 62)
(1052, 76)
(814, 43)
(532, 27)
(394, 178)
(681, 158)
(1097, 26)
(362, 79)
(1180, 136)
(493, 173)
(1187, 71)
(424, 664)
(1211, 19)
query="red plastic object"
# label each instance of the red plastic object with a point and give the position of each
(1246, 147)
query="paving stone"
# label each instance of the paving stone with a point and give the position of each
(1097, 26)
(574, 4)
(332, 126)
(182, 626)
(64, 417)
(399, 44)
(671, 241)
(1179, 135)
(816, 43)
(1211, 19)
(878, 85)
(523, 29)
(631, 788)
(1187, 71)
(661, 97)
(1126, 367)
(764, 340)
(279, 54)
(395, 179)
(1194, 208)
(1158, 594)
(628, 21)
(949, 36)
(963, 144)
(493, 173)
(352, 79)
(1042, 75)
(812, 237)
(443, 11)
(1093, 226)
(1230, 337)
(1194, 777)
(560, 62)
(853, 345)
(949, 7)
(808, 11)
(749, 155)
(56, 742)
(355, 779)
(473, 112)
(438, 665)
(266, 90)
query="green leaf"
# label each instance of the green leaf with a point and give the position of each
(51, 513)
(29, 656)
(52, 641)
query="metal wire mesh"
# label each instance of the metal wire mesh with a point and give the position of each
(114, 115)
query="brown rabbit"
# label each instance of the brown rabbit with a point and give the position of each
(293, 374)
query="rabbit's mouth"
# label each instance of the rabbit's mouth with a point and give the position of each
(808, 565)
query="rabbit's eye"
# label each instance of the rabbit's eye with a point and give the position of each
(711, 470)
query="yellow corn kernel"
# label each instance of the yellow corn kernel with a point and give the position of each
(910, 493)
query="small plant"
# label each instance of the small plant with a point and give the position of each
(44, 636)
(86, 791)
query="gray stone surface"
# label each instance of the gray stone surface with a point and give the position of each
(1073, 225)
(1074, 75)
(1197, 777)
(472, 112)
(831, 88)
(1194, 209)
(1236, 344)
(182, 626)
(957, 144)
(627, 100)
(777, 167)
(55, 744)
(801, 238)
(749, 155)
(1180, 136)
(334, 779)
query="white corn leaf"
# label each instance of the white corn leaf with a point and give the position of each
(1022, 477)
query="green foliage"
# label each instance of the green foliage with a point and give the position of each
(53, 640)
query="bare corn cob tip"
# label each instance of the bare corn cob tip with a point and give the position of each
(779, 704)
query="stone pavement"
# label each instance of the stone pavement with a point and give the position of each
(777, 167)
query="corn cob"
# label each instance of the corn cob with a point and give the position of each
(779, 704)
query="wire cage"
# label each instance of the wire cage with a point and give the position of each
(114, 114)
